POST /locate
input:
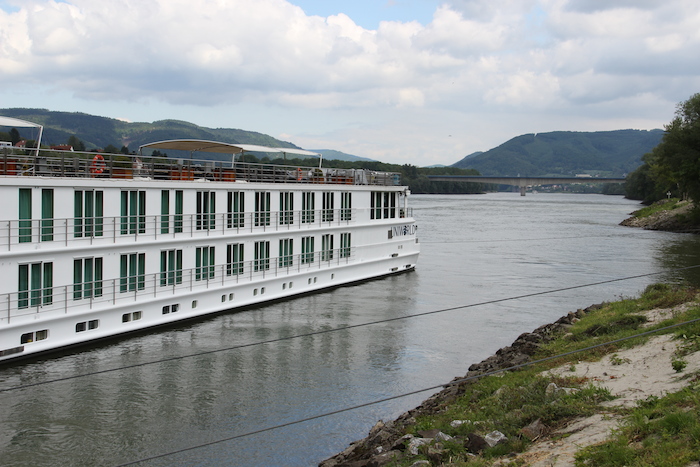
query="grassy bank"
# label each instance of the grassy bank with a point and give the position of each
(531, 405)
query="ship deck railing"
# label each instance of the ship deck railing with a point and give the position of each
(58, 163)
(30, 234)
(99, 294)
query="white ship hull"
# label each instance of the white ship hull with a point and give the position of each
(90, 257)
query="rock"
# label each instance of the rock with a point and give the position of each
(416, 443)
(475, 443)
(553, 389)
(428, 433)
(420, 463)
(534, 430)
(495, 437)
(442, 436)
(384, 459)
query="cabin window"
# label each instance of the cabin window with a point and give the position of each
(234, 259)
(132, 267)
(206, 209)
(286, 208)
(88, 208)
(346, 206)
(178, 211)
(344, 245)
(261, 261)
(25, 215)
(35, 285)
(308, 202)
(236, 209)
(46, 214)
(87, 325)
(327, 247)
(383, 205)
(327, 212)
(262, 208)
(170, 267)
(165, 211)
(286, 252)
(87, 278)
(133, 212)
(204, 263)
(307, 250)
(135, 316)
(30, 337)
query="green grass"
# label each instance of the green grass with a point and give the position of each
(661, 431)
(664, 205)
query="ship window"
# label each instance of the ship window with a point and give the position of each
(178, 211)
(170, 267)
(286, 252)
(46, 215)
(308, 201)
(262, 290)
(164, 211)
(137, 315)
(194, 303)
(261, 261)
(30, 337)
(166, 309)
(132, 272)
(204, 263)
(133, 212)
(35, 285)
(255, 292)
(175, 308)
(80, 327)
(345, 245)
(307, 250)
(327, 213)
(286, 213)
(262, 208)
(332, 276)
(230, 296)
(291, 284)
(346, 206)
(206, 209)
(236, 210)
(25, 215)
(93, 323)
(284, 286)
(126, 317)
(234, 259)
(327, 247)
(309, 280)
(87, 278)
(88, 212)
(223, 298)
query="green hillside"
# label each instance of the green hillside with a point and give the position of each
(100, 132)
(566, 153)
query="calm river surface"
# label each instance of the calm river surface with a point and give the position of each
(476, 249)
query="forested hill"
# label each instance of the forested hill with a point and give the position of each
(559, 153)
(100, 132)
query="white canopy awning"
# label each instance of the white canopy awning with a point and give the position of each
(16, 122)
(194, 145)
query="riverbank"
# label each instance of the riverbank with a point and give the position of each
(671, 215)
(547, 413)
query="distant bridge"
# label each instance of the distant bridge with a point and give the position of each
(522, 182)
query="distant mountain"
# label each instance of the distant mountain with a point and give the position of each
(100, 132)
(558, 153)
(339, 156)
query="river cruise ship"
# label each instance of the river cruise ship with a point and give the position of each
(97, 245)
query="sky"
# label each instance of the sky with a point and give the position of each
(418, 82)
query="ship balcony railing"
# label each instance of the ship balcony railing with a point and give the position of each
(86, 296)
(57, 163)
(17, 234)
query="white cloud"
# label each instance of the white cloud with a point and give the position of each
(478, 65)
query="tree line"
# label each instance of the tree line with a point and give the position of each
(672, 169)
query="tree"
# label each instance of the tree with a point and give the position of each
(75, 142)
(676, 160)
(14, 136)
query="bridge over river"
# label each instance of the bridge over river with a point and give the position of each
(522, 182)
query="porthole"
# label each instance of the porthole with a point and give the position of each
(194, 303)
(284, 286)
(255, 292)
(223, 298)
(230, 296)
(262, 290)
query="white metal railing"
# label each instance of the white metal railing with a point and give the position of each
(80, 297)
(15, 233)
(61, 163)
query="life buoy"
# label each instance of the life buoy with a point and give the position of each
(98, 165)
(298, 174)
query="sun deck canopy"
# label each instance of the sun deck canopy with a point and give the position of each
(16, 122)
(194, 145)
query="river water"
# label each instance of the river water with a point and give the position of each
(503, 263)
